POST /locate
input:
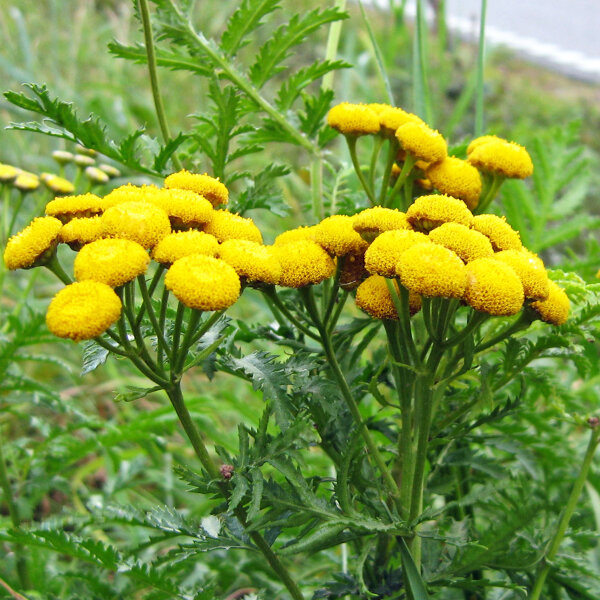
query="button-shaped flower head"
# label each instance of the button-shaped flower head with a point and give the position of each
(500, 233)
(467, 243)
(140, 222)
(373, 296)
(252, 261)
(230, 226)
(184, 243)
(428, 212)
(422, 142)
(205, 185)
(29, 247)
(456, 178)
(353, 119)
(384, 253)
(336, 234)
(555, 309)
(303, 263)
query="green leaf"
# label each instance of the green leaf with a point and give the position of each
(412, 577)
(167, 151)
(135, 393)
(94, 355)
(262, 192)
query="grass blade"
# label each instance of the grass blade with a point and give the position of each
(420, 87)
(412, 577)
(480, 59)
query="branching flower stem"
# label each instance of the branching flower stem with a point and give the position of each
(351, 140)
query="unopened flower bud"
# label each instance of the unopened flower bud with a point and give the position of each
(62, 157)
(226, 471)
(83, 150)
(96, 175)
(593, 422)
(26, 182)
(8, 173)
(110, 170)
(81, 160)
(59, 185)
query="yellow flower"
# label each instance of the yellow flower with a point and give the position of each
(294, 235)
(378, 107)
(26, 182)
(184, 243)
(96, 175)
(432, 270)
(393, 117)
(29, 247)
(129, 193)
(139, 222)
(336, 235)
(66, 208)
(420, 141)
(530, 269)
(303, 263)
(110, 170)
(502, 158)
(555, 309)
(80, 231)
(353, 119)
(81, 160)
(83, 150)
(8, 173)
(59, 185)
(185, 208)
(230, 226)
(203, 282)
(481, 140)
(374, 297)
(379, 219)
(467, 243)
(62, 157)
(500, 233)
(429, 212)
(205, 185)
(251, 260)
(83, 310)
(384, 253)
(111, 261)
(457, 178)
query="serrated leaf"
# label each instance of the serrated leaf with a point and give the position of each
(135, 393)
(167, 151)
(94, 355)
(261, 192)
(412, 577)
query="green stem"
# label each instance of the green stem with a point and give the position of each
(489, 194)
(409, 163)
(336, 314)
(400, 298)
(563, 523)
(480, 62)
(177, 332)
(334, 290)
(387, 172)
(351, 140)
(333, 40)
(162, 319)
(188, 340)
(155, 279)
(158, 103)
(147, 302)
(271, 294)
(476, 320)
(523, 322)
(15, 214)
(56, 268)
(316, 182)
(374, 156)
(207, 325)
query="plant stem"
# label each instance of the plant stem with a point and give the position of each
(566, 516)
(158, 103)
(351, 140)
(160, 334)
(409, 163)
(489, 194)
(391, 158)
(56, 268)
(333, 40)
(480, 61)
(316, 182)
(271, 294)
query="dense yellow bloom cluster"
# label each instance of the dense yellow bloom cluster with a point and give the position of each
(66, 208)
(422, 142)
(185, 208)
(500, 233)
(140, 222)
(336, 234)
(229, 226)
(353, 119)
(467, 243)
(80, 231)
(456, 178)
(205, 185)
(555, 308)
(303, 263)
(184, 243)
(531, 271)
(502, 158)
(379, 219)
(251, 260)
(386, 250)
(428, 212)
(392, 117)
(29, 246)
(295, 235)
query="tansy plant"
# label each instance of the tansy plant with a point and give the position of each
(396, 326)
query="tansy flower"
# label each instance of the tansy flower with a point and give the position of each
(555, 309)
(129, 193)
(353, 271)
(353, 119)
(229, 226)
(530, 270)
(203, 282)
(7, 173)
(378, 219)
(432, 270)
(29, 247)
(420, 141)
(374, 297)
(456, 178)
(428, 212)
(500, 233)
(59, 185)
(481, 140)
(62, 157)
(185, 208)
(303, 263)
(184, 243)
(378, 107)
(493, 288)
(80, 231)
(83, 310)
(336, 235)
(205, 185)
(140, 222)
(393, 117)
(467, 243)
(81, 160)
(384, 253)
(69, 207)
(502, 158)
(294, 235)
(111, 261)
(83, 150)
(26, 182)
(96, 175)
(110, 170)
(251, 260)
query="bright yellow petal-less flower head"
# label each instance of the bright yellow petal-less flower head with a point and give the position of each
(96, 175)
(83, 310)
(555, 309)
(502, 158)
(393, 117)
(140, 222)
(80, 231)
(428, 212)
(230, 226)
(30, 246)
(184, 243)
(456, 178)
(379, 219)
(467, 243)
(353, 119)
(128, 193)
(374, 297)
(420, 141)
(336, 235)
(302, 233)
(493, 288)
(252, 261)
(71, 207)
(384, 253)
(111, 261)
(531, 271)
(378, 107)
(203, 282)
(432, 270)
(481, 140)
(26, 182)
(8, 173)
(59, 185)
(499, 232)
(303, 263)
(185, 208)
(205, 185)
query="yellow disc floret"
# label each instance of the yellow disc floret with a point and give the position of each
(205, 185)
(493, 288)
(432, 270)
(230, 226)
(393, 117)
(294, 235)
(26, 182)
(70, 207)
(530, 269)
(499, 232)
(8, 173)
(420, 141)
(555, 309)
(59, 185)
(502, 158)
(336, 235)
(140, 222)
(467, 243)
(251, 260)
(373, 296)
(184, 243)
(481, 140)
(129, 193)
(456, 178)
(353, 119)
(428, 212)
(384, 253)
(111, 261)
(379, 219)
(303, 263)
(203, 282)
(80, 231)
(83, 310)
(185, 208)
(28, 247)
